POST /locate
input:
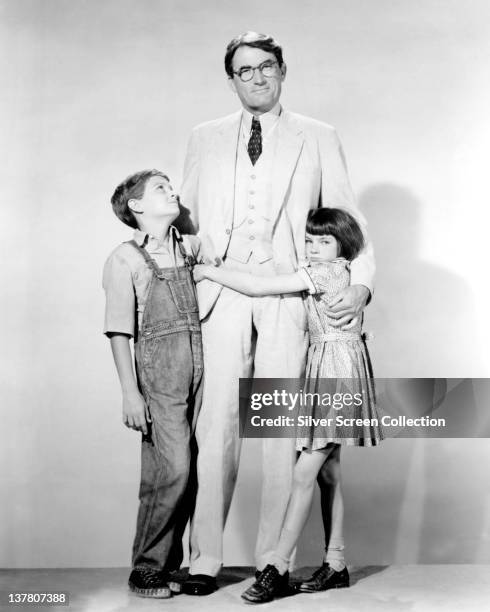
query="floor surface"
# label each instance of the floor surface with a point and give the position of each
(407, 588)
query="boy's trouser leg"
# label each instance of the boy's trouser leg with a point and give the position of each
(227, 346)
(167, 376)
(280, 353)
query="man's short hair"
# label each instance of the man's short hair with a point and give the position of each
(131, 188)
(252, 39)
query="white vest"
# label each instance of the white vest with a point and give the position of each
(252, 223)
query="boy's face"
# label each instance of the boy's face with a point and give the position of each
(158, 200)
(321, 248)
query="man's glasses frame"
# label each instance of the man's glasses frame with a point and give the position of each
(267, 69)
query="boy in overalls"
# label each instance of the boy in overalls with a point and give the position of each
(150, 296)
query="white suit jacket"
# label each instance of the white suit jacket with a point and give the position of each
(308, 171)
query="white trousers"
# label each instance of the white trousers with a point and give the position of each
(242, 337)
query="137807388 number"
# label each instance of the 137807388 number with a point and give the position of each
(35, 598)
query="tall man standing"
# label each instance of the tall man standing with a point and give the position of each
(249, 181)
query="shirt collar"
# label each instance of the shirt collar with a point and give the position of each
(267, 120)
(140, 237)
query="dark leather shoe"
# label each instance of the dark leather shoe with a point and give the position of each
(199, 584)
(269, 584)
(325, 578)
(147, 582)
(285, 577)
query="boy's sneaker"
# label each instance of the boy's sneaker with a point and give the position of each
(269, 584)
(147, 582)
(325, 578)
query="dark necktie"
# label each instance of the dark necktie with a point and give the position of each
(255, 142)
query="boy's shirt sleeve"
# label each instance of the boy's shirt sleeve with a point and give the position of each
(120, 309)
(193, 244)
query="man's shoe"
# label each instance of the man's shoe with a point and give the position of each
(325, 578)
(147, 582)
(269, 584)
(199, 584)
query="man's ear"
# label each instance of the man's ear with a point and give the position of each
(284, 69)
(231, 85)
(135, 205)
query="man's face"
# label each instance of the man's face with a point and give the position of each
(261, 93)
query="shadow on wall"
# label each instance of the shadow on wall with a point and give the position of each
(422, 315)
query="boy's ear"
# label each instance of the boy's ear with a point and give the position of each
(135, 205)
(231, 85)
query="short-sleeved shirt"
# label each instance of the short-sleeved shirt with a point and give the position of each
(126, 277)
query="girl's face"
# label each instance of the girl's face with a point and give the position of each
(321, 248)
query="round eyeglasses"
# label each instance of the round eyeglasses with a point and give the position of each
(267, 69)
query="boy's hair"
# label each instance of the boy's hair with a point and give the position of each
(131, 188)
(340, 224)
(252, 39)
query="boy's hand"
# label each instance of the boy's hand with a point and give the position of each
(135, 412)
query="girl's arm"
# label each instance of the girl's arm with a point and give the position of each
(250, 284)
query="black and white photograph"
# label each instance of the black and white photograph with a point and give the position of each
(245, 275)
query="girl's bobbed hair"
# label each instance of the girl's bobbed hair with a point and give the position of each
(340, 224)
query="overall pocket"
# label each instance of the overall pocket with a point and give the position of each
(183, 294)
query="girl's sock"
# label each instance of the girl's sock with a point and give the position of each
(334, 555)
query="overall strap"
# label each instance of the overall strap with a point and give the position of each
(188, 259)
(149, 260)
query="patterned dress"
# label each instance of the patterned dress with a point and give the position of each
(342, 356)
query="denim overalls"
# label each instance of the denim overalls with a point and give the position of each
(169, 366)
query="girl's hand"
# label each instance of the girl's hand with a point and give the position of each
(200, 272)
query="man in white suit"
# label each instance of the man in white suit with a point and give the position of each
(249, 181)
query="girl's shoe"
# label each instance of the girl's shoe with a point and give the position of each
(325, 578)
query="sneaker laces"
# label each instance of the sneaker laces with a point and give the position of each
(151, 577)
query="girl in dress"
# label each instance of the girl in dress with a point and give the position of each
(333, 239)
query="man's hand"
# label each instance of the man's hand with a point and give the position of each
(347, 305)
(135, 412)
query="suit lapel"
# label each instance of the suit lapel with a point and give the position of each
(226, 143)
(289, 144)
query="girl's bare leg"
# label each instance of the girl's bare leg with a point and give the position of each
(304, 478)
(332, 510)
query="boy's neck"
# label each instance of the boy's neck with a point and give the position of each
(157, 229)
